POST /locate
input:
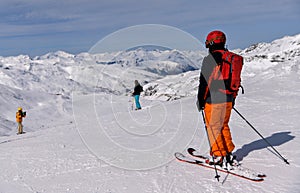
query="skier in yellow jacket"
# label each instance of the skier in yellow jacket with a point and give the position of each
(19, 118)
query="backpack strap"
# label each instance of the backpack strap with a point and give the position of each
(214, 75)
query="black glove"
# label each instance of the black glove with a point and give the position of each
(200, 105)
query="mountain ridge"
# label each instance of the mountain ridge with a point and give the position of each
(165, 75)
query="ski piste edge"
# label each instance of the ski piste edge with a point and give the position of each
(183, 158)
(196, 154)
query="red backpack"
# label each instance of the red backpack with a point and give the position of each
(230, 69)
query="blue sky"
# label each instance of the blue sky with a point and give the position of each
(36, 27)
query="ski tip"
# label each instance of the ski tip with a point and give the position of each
(262, 175)
(259, 180)
(178, 155)
(191, 150)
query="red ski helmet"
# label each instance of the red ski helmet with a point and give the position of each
(215, 37)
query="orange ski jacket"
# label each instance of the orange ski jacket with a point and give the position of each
(19, 116)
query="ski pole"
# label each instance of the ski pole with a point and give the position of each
(285, 160)
(217, 175)
(132, 104)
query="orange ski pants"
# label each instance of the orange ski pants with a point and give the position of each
(217, 117)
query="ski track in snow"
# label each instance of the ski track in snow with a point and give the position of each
(82, 138)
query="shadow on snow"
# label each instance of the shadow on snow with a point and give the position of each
(275, 140)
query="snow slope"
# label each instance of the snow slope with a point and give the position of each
(83, 136)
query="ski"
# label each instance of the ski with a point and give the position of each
(235, 172)
(239, 167)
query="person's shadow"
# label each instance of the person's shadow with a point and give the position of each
(275, 140)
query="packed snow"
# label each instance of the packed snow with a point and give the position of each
(83, 134)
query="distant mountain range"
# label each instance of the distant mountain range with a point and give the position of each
(165, 74)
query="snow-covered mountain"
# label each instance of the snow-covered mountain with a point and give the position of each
(262, 61)
(166, 75)
(82, 135)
